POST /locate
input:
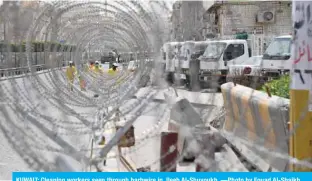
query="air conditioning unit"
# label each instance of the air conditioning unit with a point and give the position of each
(265, 17)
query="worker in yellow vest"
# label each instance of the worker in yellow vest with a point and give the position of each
(71, 74)
(113, 70)
(97, 68)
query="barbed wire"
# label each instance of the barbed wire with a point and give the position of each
(41, 114)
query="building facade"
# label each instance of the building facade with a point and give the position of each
(226, 18)
(16, 18)
(187, 20)
(254, 17)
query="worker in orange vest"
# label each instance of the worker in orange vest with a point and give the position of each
(82, 83)
(91, 65)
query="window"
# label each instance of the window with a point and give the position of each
(233, 51)
(214, 50)
(279, 49)
(200, 48)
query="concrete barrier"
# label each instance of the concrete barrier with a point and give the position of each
(259, 119)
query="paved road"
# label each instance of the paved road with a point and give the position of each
(36, 126)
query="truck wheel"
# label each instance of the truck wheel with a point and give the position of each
(170, 78)
(222, 80)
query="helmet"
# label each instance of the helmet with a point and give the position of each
(70, 62)
(115, 64)
(97, 62)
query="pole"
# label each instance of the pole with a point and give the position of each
(91, 153)
(300, 146)
(119, 153)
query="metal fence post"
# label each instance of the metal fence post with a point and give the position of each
(91, 152)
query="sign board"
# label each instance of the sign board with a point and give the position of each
(302, 47)
(300, 145)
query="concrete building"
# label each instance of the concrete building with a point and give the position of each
(187, 20)
(16, 18)
(176, 30)
(260, 17)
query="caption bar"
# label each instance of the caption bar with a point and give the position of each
(161, 176)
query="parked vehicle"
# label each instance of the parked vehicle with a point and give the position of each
(276, 58)
(189, 51)
(168, 51)
(218, 56)
(247, 73)
(132, 66)
(249, 67)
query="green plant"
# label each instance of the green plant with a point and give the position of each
(279, 87)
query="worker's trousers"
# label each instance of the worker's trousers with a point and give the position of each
(71, 84)
(82, 83)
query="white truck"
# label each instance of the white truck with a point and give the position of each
(274, 62)
(189, 51)
(249, 73)
(221, 54)
(169, 51)
(218, 56)
(249, 67)
(276, 59)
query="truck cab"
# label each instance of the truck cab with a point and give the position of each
(276, 58)
(168, 54)
(190, 50)
(215, 61)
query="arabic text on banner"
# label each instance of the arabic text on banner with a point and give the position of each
(302, 47)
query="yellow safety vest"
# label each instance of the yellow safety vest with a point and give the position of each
(102, 142)
(111, 71)
(71, 72)
(97, 69)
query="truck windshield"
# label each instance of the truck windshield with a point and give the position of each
(185, 48)
(279, 49)
(214, 50)
(169, 49)
(200, 47)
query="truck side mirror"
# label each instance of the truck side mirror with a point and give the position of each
(225, 63)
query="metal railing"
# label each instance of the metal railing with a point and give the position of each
(9, 72)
